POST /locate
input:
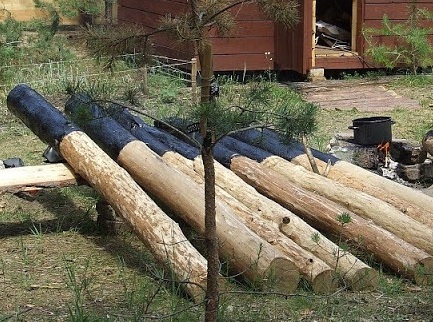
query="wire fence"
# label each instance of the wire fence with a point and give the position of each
(61, 73)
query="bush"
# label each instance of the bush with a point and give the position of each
(411, 47)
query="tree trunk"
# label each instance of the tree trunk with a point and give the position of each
(161, 235)
(211, 241)
(356, 274)
(399, 255)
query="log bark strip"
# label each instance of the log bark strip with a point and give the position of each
(246, 252)
(161, 234)
(33, 178)
(356, 274)
(399, 255)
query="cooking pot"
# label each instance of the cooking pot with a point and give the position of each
(372, 130)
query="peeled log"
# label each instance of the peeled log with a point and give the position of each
(161, 235)
(245, 252)
(411, 202)
(365, 205)
(315, 271)
(356, 274)
(402, 257)
(414, 203)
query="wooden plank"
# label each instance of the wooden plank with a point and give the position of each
(32, 178)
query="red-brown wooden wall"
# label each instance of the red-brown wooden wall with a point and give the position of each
(255, 35)
(245, 48)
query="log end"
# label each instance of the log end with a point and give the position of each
(423, 272)
(282, 276)
(365, 279)
(325, 282)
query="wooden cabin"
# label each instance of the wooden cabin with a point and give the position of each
(257, 43)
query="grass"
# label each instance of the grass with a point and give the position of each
(56, 265)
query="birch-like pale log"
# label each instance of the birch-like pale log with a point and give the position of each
(158, 232)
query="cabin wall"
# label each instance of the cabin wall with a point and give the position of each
(250, 46)
(294, 46)
(258, 44)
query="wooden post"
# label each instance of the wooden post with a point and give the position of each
(34, 178)
(145, 80)
(161, 234)
(194, 80)
(245, 252)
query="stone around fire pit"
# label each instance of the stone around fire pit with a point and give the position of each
(406, 161)
(344, 148)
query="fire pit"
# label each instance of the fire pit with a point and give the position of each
(372, 147)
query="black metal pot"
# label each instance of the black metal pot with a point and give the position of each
(372, 130)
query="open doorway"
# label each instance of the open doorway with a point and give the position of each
(335, 27)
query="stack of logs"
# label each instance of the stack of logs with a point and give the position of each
(273, 213)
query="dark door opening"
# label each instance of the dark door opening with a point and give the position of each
(334, 25)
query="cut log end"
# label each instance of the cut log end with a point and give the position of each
(326, 282)
(282, 276)
(424, 272)
(365, 279)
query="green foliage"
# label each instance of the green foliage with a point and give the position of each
(259, 104)
(344, 218)
(71, 8)
(37, 46)
(410, 48)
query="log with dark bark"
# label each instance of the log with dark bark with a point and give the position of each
(313, 269)
(245, 251)
(161, 234)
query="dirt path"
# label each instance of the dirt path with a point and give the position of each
(365, 96)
